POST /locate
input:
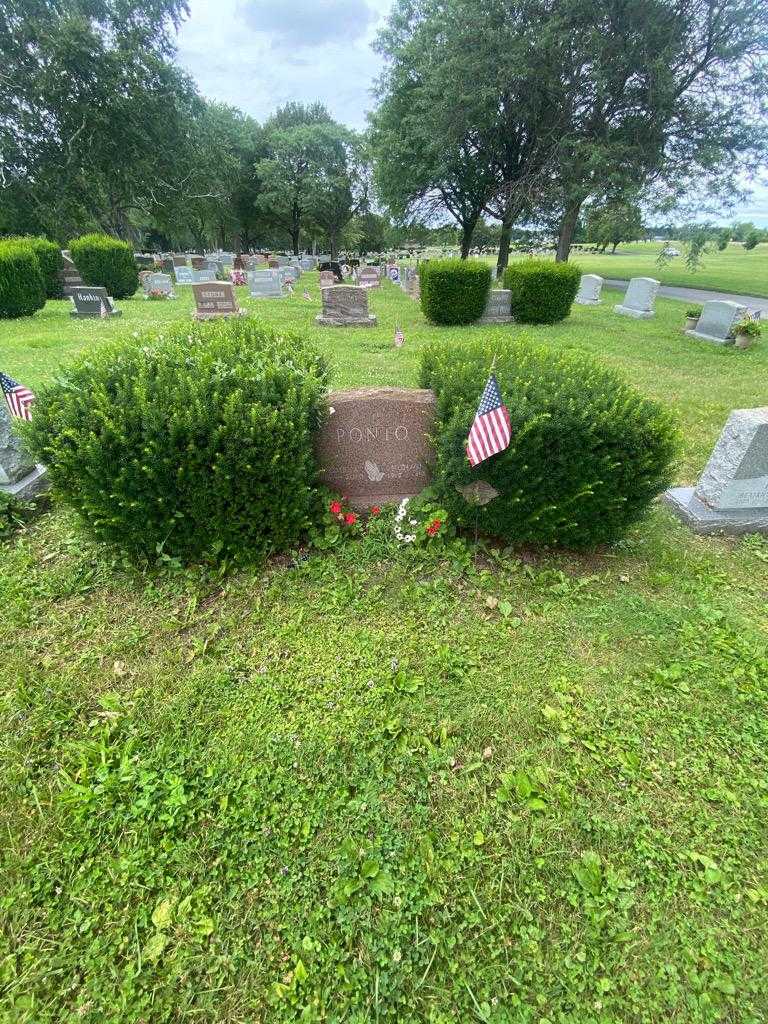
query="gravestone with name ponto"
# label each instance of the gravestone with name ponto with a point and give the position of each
(374, 445)
(731, 496)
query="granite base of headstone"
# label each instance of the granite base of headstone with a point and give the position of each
(374, 447)
(590, 287)
(20, 478)
(498, 307)
(92, 303)
(639, 298)
(731, 496)
(717, 321)
(345, 306)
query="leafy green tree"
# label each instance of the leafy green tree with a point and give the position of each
(752, 239)
(723, 238)
(614, 223)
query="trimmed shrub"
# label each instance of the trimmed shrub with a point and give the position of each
(588, 453)
(106, 262)
(22, 289)
(454, 291)
(542, 291)
(196, 444)
(50, 260)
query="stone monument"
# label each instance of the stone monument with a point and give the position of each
(345, 306)
(91, 302)
(717, 321)
(265, 284)
(162, 283)
(498, 307)
(369, 278)
(374, 447)
(184, 275)
(589, 290)
(731, 496)
(215, 300)
(19, 476)
(639, 298)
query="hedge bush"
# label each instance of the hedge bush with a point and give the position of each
(454, 291)
(50, 260)
(588, 453)
(106, 262)
(542, 291)
(22, 288)
(194, 445)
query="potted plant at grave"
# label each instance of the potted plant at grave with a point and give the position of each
(747, 331)
(692, 315)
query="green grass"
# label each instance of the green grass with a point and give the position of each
(386, 785)
(734, 270)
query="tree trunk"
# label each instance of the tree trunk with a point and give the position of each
(511, 213)
(467, 231)
(567, 229)
(333, 246)
(615, 246)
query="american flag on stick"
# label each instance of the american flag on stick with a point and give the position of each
(490, 432)
(18, 398)
(399, 338)
(307, 295)
(103, 313)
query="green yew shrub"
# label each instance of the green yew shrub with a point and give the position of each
(50, 260)
(542, 291)
(196, 444)
(106, 262)
(22, 288)
(454, 291)
(588, 453)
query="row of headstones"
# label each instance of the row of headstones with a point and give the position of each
(716, 323)
(376, 448)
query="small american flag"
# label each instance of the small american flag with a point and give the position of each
(399, 338)
(18, 398)
(307, 296)
(491, 431)
(289, 287)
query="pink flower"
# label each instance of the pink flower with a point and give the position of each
(350, 518)
(335, 507)
(376, 510)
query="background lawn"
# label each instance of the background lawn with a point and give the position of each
(734, 270)
(377, 785)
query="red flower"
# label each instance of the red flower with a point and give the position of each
(433, 527)
(376, 510)
(335, 507)
(350, 518)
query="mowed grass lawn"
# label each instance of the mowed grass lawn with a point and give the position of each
(382, 785)
(744, 272)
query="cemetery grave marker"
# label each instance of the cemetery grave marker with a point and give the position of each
(158, 283)
(198, 262)
(308, 263)
(374, 447)
(19, 476)
(265, 284)
(589, 290)
(327, 279)
(205, 276)
(345, 306)
(179, 261)
(639, 298)
(369, 278)
(184, 275)
(69, 275)
(731, 496)
(290, 273)
(215, 300)
(91, 302)
(717, 321)
(498, 307)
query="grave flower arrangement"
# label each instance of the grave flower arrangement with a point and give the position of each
(420, 522)
(747, 331)
(336, 523)
(155, 295)
(692, 315)
(237, 277)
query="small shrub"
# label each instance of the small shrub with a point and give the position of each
(588, 453)
(748, 326)
(193, 445)
(22, 288)
(106, 262)
(454, 291)
(542, 291)
(752, 239)
(50, 260)
(693, 312)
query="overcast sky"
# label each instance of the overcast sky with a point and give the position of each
(259, 54)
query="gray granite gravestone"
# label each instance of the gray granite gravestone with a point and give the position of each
(69, 275)
(216, 299)
(731, 496)
(717, 321)
(265, 284)
(92, 302)
(374, 446)
(158, 283)
(498, 307)
(639, 298)
(345, 306)
(184, 275)
(308, 263)
(19, 476)
(589, 290)
(179, 261)
(206, 276)
(369, 278)
(198, 262)
(290, 273)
